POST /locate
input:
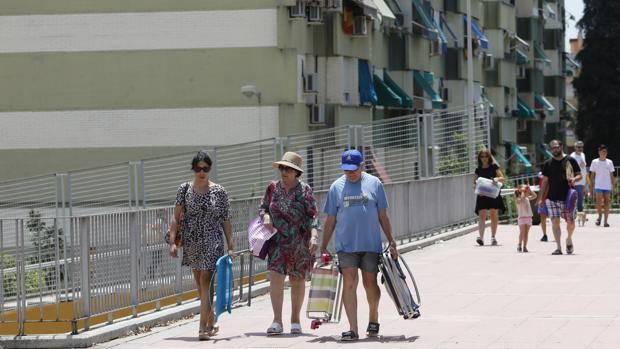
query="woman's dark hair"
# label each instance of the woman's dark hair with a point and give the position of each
(487, 152)
(201, 156)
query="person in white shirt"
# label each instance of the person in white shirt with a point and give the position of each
(603, 182)
(581, 184)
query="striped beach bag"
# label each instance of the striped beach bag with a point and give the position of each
(325, 299)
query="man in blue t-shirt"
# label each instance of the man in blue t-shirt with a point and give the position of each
(356, 208)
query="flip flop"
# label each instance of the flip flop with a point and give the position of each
(295, 328)
(349, 336)
(373, 329)
(275, 329)
(214, 330)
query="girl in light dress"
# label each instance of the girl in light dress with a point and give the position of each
(524, 195)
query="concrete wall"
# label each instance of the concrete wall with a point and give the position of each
(424, 204)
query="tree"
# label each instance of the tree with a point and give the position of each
(598, 85)
(44, 238)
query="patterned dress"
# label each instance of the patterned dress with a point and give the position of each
(293, 214)
(205, 213)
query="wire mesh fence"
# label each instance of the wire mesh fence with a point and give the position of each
(399, 149)
(72, 269)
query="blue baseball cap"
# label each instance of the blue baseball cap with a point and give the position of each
(351, 160)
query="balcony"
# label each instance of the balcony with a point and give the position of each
(500, 15)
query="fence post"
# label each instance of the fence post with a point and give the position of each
(20, 278)
(178, 281)
(278, 151)
(84, 227)
(141, 183)
(213, 173)
(134, 255)
(250, 278)
(471, 138)
(351, 137)
(433, 149)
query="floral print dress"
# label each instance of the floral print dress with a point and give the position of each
(293, 214)
(203, 234)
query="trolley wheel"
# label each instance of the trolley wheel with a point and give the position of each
(315, 324)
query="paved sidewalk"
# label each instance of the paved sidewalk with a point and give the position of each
(473, 297)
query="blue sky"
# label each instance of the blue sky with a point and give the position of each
(575, 7)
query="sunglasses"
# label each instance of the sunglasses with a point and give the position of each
(557, 147)
(205, 169)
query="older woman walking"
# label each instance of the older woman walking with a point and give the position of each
(203, 207)
(290, 207)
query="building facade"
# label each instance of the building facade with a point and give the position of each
(97, 82)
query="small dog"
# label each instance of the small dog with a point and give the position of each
(581, 218)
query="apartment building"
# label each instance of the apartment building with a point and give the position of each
(96, 82)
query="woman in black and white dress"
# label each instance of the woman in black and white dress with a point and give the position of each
(206, 211)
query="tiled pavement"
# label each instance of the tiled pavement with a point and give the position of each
(473, 297)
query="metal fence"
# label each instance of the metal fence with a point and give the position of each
(73, 270)
(399, 149)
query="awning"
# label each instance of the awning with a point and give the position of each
(442, 36)
(407, 101)
(515, 150)
(366, 88)
(484, 42)
(570, 106)
(384, 10)
(572, 62)
(428, 88)
(540, 99)
(488, 102)
(544, 151)
(445, 23)
(525, 111)
(385, 96)
(370, 9)
(426, 19)
(539, 54)
(522, 58)
(520, 42)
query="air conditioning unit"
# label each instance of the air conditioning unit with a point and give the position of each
(333, 5)
(360, 26)
(521, 125)
(299, 10)
(315, 14)
(489, 62)
(435, 47)
(312, 83)
(317, 114)
(521, 72)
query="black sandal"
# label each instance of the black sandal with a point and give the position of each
(373, 329)
(349, 336)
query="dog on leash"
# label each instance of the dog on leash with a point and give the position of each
(581, 218)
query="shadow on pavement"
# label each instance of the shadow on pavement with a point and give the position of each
(283, 335)
(380, 339)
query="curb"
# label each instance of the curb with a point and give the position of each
(124, 328)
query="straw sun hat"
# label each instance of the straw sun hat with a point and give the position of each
(290, 159)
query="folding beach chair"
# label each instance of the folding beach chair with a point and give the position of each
(325, 299)
(398, 286)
